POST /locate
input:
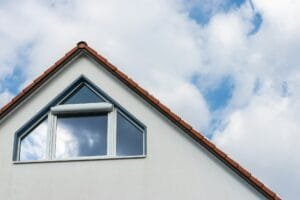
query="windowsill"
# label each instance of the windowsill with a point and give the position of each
(79, 159)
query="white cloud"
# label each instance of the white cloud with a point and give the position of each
(264, 137)
(152, 37)
(187, 101)
(260, 128)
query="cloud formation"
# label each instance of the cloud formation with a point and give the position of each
(164, 45)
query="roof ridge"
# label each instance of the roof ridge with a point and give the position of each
(196, 135)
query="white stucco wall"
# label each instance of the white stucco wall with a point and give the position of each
(175, 167)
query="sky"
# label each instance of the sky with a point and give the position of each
(229, 67)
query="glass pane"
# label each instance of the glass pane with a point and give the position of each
(83, 95)
(33, 146)
(81, 136)
(129, 138)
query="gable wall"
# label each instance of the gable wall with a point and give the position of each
(175, 167)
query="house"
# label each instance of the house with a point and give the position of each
(84, 130)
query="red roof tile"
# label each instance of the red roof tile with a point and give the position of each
(197, 136)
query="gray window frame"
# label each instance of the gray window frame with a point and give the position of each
(109, 106)
(34, 125)
(136, 125)
(78, 110)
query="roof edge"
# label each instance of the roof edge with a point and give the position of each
(37, 82)
(187, 128)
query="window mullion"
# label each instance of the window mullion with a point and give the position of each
(111, 133)
(19, 148)
(48, 143)
(51, 141)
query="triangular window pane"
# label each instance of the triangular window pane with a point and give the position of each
(33, 145)
(83, 95)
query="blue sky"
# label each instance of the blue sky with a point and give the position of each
(16, 77)
(202, 14)
(229, 67)
(217, 96)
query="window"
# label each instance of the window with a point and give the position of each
(82, 125)
(83, 94)
(33, 144)
(78, 136)
(130, 138)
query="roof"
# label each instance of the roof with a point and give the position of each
(188, 129)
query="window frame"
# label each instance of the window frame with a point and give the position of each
(77, 110)
(109, 106)
(134, 124)
(27, 132)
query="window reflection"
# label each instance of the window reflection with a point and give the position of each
(83, 95)
(33, 145)
(81, 136)
(130, 139)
